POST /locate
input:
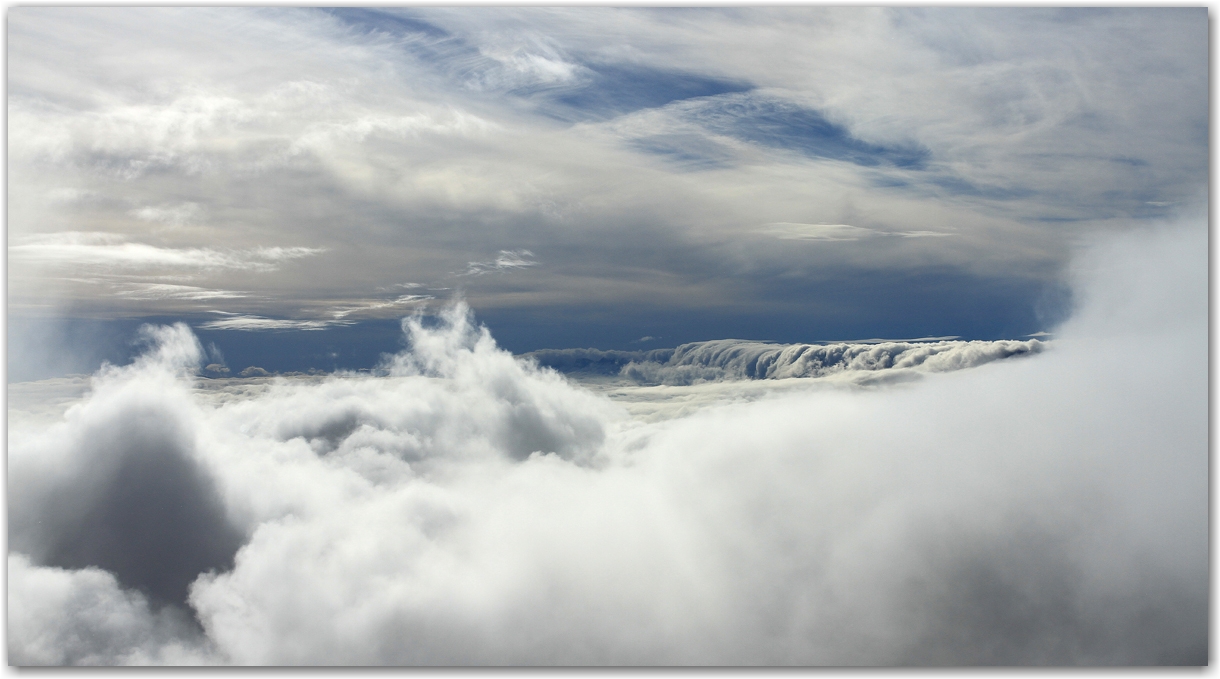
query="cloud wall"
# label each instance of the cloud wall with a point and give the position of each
(731, 359)
(736, 359)
(470, 508)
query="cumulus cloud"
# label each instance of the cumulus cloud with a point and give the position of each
(127, 493)
(467, 507)
(83, 617)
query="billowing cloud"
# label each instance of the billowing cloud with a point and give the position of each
(467, 507)
(689, 174)
(83, 617)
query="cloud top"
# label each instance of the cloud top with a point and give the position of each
(468, 507)
(721, 360)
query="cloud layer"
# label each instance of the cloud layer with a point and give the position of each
(466, 507)
(653, 162)
(718, 360)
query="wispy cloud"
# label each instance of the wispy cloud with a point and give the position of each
(256, 323)
(837, 232)
(529, 126)
(375, 305)
(155, 291)
(113, 251)
(171, 215)
(507, 259)
(320, 136)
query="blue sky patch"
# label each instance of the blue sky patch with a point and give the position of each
(394, 23)
(615, 89)
(786, 125)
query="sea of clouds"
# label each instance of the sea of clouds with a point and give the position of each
(469, 507)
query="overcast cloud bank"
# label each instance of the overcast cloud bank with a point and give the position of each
(858, 171)
(472, 508)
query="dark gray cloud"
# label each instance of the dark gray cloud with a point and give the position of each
(130, 495)
(1022, 599)
(154, 520)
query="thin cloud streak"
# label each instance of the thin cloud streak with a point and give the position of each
(259, 323)
(506, 260)
(837, 232)
(105, 250)
(174, 291)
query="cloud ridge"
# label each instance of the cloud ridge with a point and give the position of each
(740, 359)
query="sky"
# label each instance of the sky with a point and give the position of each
(586, 336)
(581, 177)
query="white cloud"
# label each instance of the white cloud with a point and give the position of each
(255, 323)
(469, 508)
(82, 617)
(522, 67)
(69, 195)
(507, 259)
(377, 136)
(112, 251)
(738, 359)
(836, 232)
(343, 311)
(174, 291)
(172, 215)
(321, 137)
